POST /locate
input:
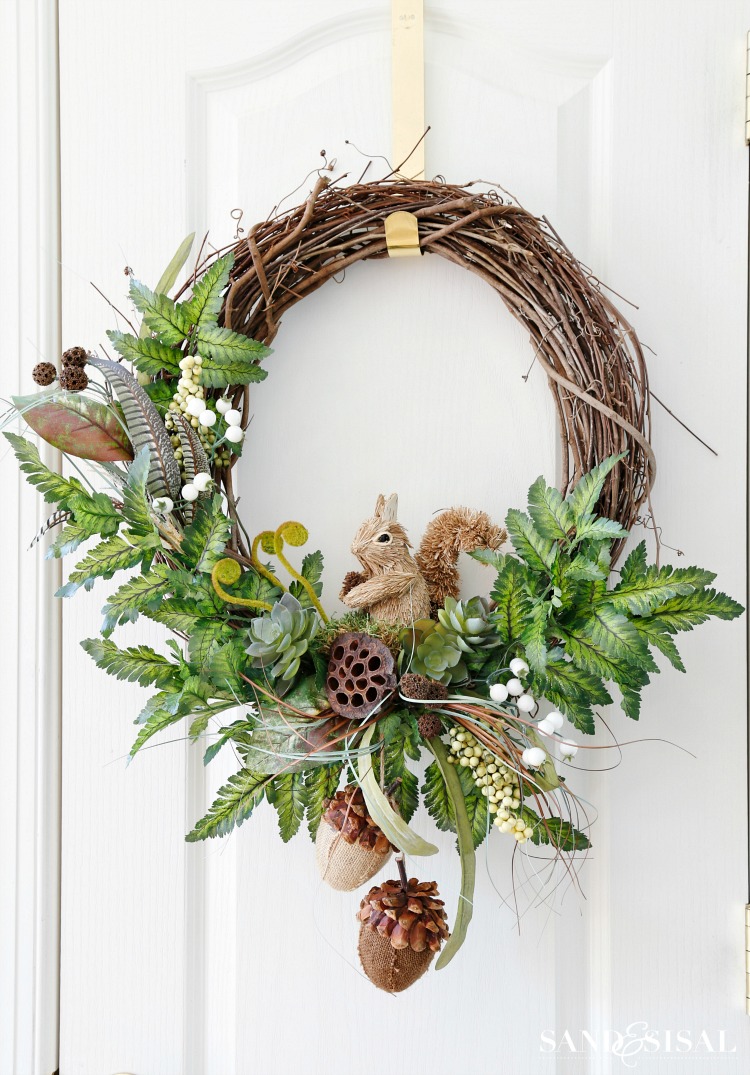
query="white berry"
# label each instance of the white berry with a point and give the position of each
(526, 703)
(223, 405)
(533, 757)
(162, 504)
(545, 728)
(555, 719)
(518, 667)
(232, 417)
(515, 686)
(234, 434)
(498, 692)
(189, 492)
(568, 748)
(202, 481)
(195, 406)
(207, 418)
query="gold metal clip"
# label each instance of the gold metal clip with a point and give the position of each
(402, 235)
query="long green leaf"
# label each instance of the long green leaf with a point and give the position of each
(135, 505)
(466, 852)
(168, 278)
(78, 426)
(394, 827)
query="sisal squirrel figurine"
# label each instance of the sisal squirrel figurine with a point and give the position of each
(395, 586)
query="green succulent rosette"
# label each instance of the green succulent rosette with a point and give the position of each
(280, 638)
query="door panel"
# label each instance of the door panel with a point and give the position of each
(233, 957)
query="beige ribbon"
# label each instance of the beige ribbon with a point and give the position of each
(408, 87)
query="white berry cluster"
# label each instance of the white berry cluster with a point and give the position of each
(189, 400)
(514, 688)
(497, 782)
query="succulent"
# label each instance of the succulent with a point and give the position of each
(467, 624)
(281, 637)
(428, 651)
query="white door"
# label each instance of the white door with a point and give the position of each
(622, 122)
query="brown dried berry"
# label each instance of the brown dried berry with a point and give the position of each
(44, 373)
(422, 688)
(73, 379)
(429, 725)
(75, 356)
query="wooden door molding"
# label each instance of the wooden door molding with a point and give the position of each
(30, 627)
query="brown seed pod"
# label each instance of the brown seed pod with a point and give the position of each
(429, 725)
(422, 688)
(360, 674)
(44, 373)
(349, 847)
(75, 356)
(401, 930)
(73, 379)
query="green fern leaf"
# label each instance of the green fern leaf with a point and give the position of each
(157, 722)
(205, 638)
(95, 513)
(582, 500)
(537, 551)
(597, 528)
(135, 504)
(437, 800)
(204, 541)
(552, 515)
(234, 804)
(226, 666)
(113, 554)
(54, 488)
(229, 357)
(513, 604)
(658, 634)
(70, 537)
(160, 314)
(288, 794)
(141, 594)
(615, 635)
(554, 830)
(203, 308)
(147, 354)
(321, 784)
(685, 612)
(534, 638)
(489, 557)
(137, 664)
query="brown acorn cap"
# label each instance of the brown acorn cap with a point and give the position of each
(347, 813)
(402, 928)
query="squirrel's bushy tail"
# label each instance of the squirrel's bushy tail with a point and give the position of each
(450, 533)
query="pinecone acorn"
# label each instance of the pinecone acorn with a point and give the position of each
(349, 846)
(44, 373)
(401, 930)
(75, 356)
(73, 379)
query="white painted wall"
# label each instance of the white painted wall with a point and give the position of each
(623, 123)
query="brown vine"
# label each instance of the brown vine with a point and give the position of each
(590, 354)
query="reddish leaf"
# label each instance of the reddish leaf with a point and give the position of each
(77, 425)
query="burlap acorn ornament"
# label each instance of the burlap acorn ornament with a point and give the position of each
(360, 674)
(401, 930)
(349, 846)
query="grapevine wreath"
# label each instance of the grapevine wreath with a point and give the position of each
(327, 712)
